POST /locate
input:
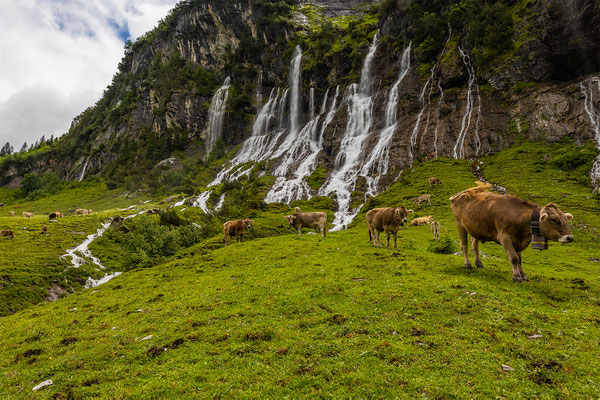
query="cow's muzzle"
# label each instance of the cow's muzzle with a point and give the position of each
(566, 239)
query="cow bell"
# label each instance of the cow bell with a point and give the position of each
(539, 242)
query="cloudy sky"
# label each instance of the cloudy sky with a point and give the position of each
(57, 56)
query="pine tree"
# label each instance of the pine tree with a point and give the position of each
(23, 148)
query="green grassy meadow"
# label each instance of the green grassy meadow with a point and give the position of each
(286, 316)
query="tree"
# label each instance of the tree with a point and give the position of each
(23, 148)
(6, 150)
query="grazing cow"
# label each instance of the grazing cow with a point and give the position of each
(44, 229)
(422, 220)
(26, 214)
(7, 233)
(435, 228)
(385, 219)
(420, 199)
(236, 228)
(82, 211)
(52, 216)
(301, 219)
(59, 214)
(506, 220)
(433, 181)
(12, 213)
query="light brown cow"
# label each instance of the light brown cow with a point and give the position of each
(433, 181)
(26, 214)
(7, 233)
(12, 213)
(506, 220)
(420, 199)
(385, 219)
(81, 211)
(435, 228)
(422, 220)
(308, 219)
(236, 228)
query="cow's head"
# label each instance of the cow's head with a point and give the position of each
(290, 218)
(554, 224)
(401, 213)
(249, 222)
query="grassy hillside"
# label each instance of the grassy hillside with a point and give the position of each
(286, 316)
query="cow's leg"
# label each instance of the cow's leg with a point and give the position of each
(299, 229)
(523, 277)
(475, 246)
(387, 234)
(462, 233)
(395, 235)
(378, 239)
(513, 257)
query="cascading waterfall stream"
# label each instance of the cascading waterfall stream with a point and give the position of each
(587, 88)
(415, 131)
(360, 109)
(82, 175)
(216, 112)
(306, 147)
(380, 155)
(459, 148)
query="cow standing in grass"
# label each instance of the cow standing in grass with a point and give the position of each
(385, 219)
(421, 199)
(236, 228)
(433, 181)
(7, 233)
(506, 220)
(308, 219)
(26, 214)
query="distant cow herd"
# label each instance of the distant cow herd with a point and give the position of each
(504, 219)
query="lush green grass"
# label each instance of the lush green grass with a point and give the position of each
(336, 317)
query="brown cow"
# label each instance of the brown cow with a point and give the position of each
(26, 214)
(12, 213)
(435, 228)
(506, 220)
(308, 219)
(422, 220)
(7, 233)
(236, 228)
(433, 181)
(44, 229)
(385, 219)
(81, 211)
(420, 199)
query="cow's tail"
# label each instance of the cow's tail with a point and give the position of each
(481, 187)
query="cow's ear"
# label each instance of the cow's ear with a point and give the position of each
(543, 216)
(569, 217)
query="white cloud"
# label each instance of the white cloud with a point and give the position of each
(59, 55)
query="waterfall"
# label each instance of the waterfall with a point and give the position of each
(587, 88)
(311, 103)
(82, 175)
(380, 157)
(306, 147)
(459, 147)
(360, 109)
(415, 131)
(295, 85)
(216, 112)
(437, 124)
(259, 90)
(201, 201)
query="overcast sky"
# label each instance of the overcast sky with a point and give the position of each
(57, 56)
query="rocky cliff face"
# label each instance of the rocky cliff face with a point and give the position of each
(542, 88)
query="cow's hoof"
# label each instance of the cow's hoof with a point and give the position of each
(468, 266)
(517, 279)
(524, 278)
(478, 264)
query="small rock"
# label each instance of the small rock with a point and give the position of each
(146, 338)
(507, 368)
(43, 384)
(536, 336)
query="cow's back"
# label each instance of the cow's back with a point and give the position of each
(312, 218)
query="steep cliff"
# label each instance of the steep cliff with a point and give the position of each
(350, 94)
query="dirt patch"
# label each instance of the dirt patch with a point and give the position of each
(54, 293)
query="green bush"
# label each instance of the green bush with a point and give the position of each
(443, 246)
